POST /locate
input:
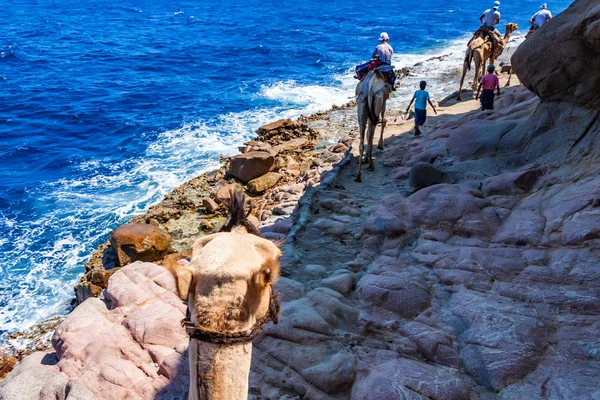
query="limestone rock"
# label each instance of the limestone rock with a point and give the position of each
(264, 182)
(251, 165)
(140, 242)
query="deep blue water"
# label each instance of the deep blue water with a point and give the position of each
(105, 107)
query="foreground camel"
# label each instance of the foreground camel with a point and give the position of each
(229, 287)
(371, 96)
(480, 50)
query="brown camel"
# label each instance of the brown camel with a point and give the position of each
(229, 287)
(480, 50)
(371, 96)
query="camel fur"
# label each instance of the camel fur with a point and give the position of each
(371, 97)
(228, 285)
(478, 52)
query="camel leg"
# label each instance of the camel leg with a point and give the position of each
(509, 76)
(464, 72)
(361, 147)
(370, 137)
(383, 124)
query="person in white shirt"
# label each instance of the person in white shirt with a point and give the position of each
(491, 17)
(383, 52)
(541, 17)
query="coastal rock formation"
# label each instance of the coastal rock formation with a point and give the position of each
(128, 345)
(484, 286)
(568, 72)
(251, 165)
(139, 242)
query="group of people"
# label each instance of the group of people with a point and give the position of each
(383, 52)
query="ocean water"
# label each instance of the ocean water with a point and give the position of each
(107, 106)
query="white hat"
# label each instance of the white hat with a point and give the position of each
(384, 36)
(544, 6)
(496, 4)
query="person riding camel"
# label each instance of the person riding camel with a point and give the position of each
(541, 17)
(382, 55)
(489, 19)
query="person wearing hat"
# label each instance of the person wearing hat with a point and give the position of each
(383, 51)
(382, 55)
(541, 17)
(491, 17)
(489, 82)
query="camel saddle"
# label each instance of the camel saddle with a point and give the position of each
(497, 42)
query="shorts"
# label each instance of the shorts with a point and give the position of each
(420, 116)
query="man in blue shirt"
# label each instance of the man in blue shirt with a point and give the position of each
(491, 17)
(541, 17)
(422, 98)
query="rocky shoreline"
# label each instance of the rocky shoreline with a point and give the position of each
(464, 267)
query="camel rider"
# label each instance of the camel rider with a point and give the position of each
(541, 17)
(382, 55)
(489, 19)
(383, 52)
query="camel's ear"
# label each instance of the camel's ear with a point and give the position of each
(185, 278)
(269, 271)
(267, 275)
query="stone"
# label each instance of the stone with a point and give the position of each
(315, 271)
(140, 242)
(262, 183)
(335, 374)
(568, 73)
(7, 363)
(130, 345)
(409, 379)
(251, 165)
(338, 148)
(223, 194)
(342, 283)
(210, 205)
(423, 174)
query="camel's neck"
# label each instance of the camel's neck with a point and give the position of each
(506, 37)
(219, 372)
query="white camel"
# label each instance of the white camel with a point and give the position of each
(371, 97)
(229, 287)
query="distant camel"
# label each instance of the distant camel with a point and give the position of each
(371, 96)
(229, 287)
(479, 50)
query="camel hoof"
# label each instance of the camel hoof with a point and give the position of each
(380, 147)
(371, 168)
(357, 179)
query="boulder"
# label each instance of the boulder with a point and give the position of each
(569, 72)
(262, 183)
(223, 194)
(140, 242)
(128, 346)
(209, 205)
(251, 165)
(423, 174)
(6, 364)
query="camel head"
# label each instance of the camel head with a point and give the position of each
(230, 276)
(511, 27)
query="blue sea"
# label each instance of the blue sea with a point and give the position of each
(106, 106)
